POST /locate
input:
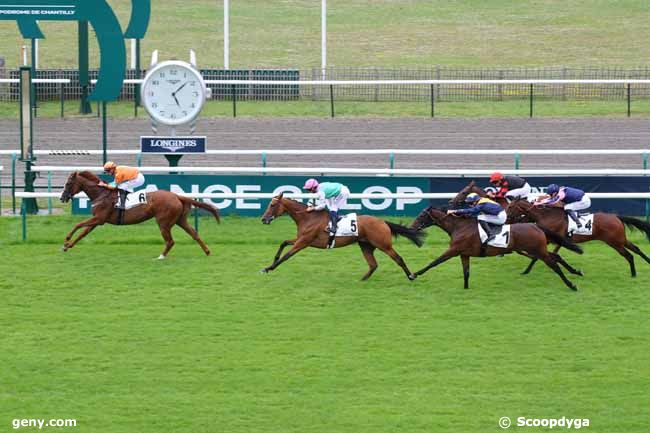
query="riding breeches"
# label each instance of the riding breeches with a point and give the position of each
(583, 204)
(499, 219)
(522, 192)
(131, 185)
(339, 201)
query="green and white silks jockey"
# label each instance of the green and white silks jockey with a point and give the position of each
(331, 195)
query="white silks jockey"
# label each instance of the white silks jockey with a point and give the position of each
(331, 195)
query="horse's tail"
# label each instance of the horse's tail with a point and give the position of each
(415, 236)
(634, 223)
(213, 210)
(562, 241)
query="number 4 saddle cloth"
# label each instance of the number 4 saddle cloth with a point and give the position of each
(587, 222)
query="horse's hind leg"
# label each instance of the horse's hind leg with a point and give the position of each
(567, 266)
(628, 256)
(534, 260)
(190, 231)
(400, 261)
(166, 232)
(630, 246)
(551, 262)
(368, 253)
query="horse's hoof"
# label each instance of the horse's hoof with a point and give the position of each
(580, 273)
(207, 253)
(574, 287)
(264, 271)
(161, 257)
(412, 277)
(64, 249)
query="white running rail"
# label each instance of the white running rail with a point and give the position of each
(409, 82)
(74, 152)
(360, 171)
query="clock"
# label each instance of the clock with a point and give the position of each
(173, 93)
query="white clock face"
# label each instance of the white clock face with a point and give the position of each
(173, 93)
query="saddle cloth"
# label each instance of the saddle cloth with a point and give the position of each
(135, 199)
(347, 225)
(501, 240)
(587, 221)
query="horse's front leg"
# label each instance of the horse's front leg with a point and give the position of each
(451, 252)
(299, 244)
(90, 222)
(283, 245)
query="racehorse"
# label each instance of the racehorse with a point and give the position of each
(527, 239)
(168, 208)
(372, 233)
(459, 199)
(608, 228)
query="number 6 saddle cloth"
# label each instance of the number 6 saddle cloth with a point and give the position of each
(587, 221)
(501, 240)
(347, 225)
(134, 199)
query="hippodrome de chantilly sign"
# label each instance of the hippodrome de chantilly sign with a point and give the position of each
(107, 28)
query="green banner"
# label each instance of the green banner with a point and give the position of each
(293, 184)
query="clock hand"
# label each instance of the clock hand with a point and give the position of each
(179, 89)
(175, 99)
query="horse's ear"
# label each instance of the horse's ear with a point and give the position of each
(281, 194)
(472, 183)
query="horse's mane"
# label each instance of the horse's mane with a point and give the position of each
(295, 201)
(89, 176)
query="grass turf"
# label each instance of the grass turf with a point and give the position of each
(124, 343)
(412, 33)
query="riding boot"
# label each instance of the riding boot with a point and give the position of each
(121, 198)
(121, 204)
(489, 230)
(334, 221)
(574, 216)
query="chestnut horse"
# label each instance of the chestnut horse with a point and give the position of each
(168, 208)
(372, 233)
(527, 239)
(459, 200)
(608, 228)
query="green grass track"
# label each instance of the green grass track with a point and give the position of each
(121, 342)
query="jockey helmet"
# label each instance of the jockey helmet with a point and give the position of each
(496, 177)
(552, 189)
(311, 184)
(472, 198)
(110, 165)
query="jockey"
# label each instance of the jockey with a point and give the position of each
(489, 213)
(574, 200)
(126, 179)
(509, 187)
(331, 195)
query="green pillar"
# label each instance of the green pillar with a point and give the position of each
(173, 161)
(84, 80)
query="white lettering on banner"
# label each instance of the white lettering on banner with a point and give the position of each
(218, 188)
(385, 203)
(240, 203)
(400, 202)
(292, 189)
(176, 189)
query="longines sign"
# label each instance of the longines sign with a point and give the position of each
(177, 145)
